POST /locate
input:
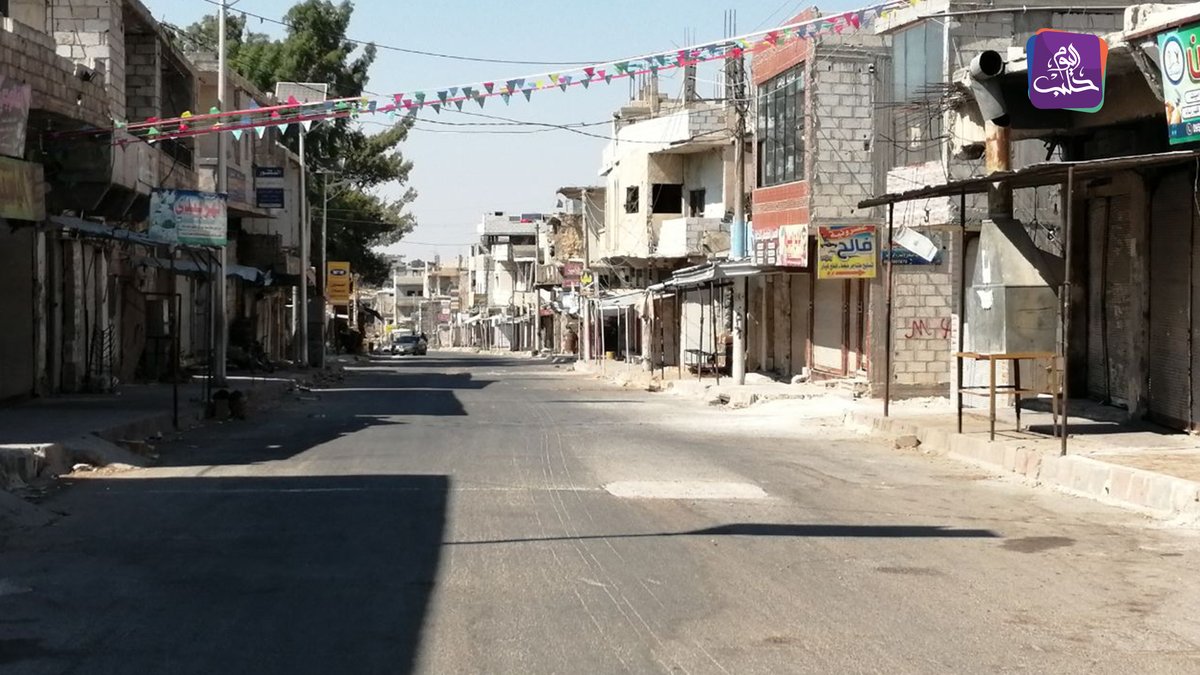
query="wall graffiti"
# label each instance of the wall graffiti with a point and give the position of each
(922, 329)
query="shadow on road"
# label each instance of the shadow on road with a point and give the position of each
(775, 530)
(362, 401)
(324, 574)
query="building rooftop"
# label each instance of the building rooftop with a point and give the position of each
(502, 223)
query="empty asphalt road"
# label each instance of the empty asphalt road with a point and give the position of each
(472, 514)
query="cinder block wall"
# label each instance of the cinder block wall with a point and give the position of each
(92, 32)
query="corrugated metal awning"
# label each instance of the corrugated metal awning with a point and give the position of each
(102, 230)
(191, 267)
(1035, 175)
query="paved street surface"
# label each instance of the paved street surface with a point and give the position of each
(471, 514)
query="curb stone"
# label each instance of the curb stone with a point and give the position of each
(1146, 491)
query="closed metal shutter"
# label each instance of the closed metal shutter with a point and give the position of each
(1170, 311)
(1110, 259)
(829, 324)
(16, 306)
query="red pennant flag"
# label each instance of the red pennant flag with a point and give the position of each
(399, 98)
(590, 71)
(489, 86)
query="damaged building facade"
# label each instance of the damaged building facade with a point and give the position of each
(95, 299)
(1107, 264)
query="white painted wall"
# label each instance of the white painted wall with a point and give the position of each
(706, 171)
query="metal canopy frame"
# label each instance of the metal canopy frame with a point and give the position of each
(1036, 175)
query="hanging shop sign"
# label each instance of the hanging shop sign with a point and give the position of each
(572, 274)
(766, 250)
(338, 283)
(847, 252)
(1181, 89)
(268, 187)
(188, 217)
(910, 247)
(21, 194)
(793, 246)
(14, 116)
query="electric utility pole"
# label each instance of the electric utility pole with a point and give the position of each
(740, 106)
(220, 329)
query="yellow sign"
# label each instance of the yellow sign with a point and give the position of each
(337, 283)
(846, 252)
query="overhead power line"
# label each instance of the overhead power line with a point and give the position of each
(406, 50)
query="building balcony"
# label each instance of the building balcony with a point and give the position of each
(691, 237)
(515, 253)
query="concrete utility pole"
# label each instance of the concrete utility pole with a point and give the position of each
(323, 270)
(740, 106)
(302, 338)
(220, 328)
(585, 302)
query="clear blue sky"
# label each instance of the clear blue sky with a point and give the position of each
(461, 175)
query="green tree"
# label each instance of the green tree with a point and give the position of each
(315, 49)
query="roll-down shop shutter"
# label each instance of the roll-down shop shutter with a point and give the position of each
(1110, 263)
(1170, 310)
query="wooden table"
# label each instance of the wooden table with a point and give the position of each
(1014, 388)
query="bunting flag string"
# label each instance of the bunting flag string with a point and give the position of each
(285, 114)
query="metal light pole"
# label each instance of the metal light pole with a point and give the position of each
(220, 330)
(303, 92)
(305, 258)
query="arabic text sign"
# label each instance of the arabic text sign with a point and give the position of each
(793, 246)
(268, 187)
(21, 194)
(846, 252)
(1181, 89)
(337, 283)
(188, 217)
(14, 116)
(1066, 70)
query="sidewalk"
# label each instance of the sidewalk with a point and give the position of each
(1142, 467)
(45, 437)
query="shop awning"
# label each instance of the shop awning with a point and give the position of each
(1035, 175)
(620, 301)
(192, 268)
(102, 230)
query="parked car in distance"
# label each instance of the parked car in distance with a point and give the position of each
(409, 345)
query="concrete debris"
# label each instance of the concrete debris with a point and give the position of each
(906, 442)
(82, 467)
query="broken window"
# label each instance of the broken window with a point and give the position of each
(696, 204)
(917, 76)
(666, 198)
(631, 199)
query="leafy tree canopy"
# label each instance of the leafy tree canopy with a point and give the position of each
(315, 49)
